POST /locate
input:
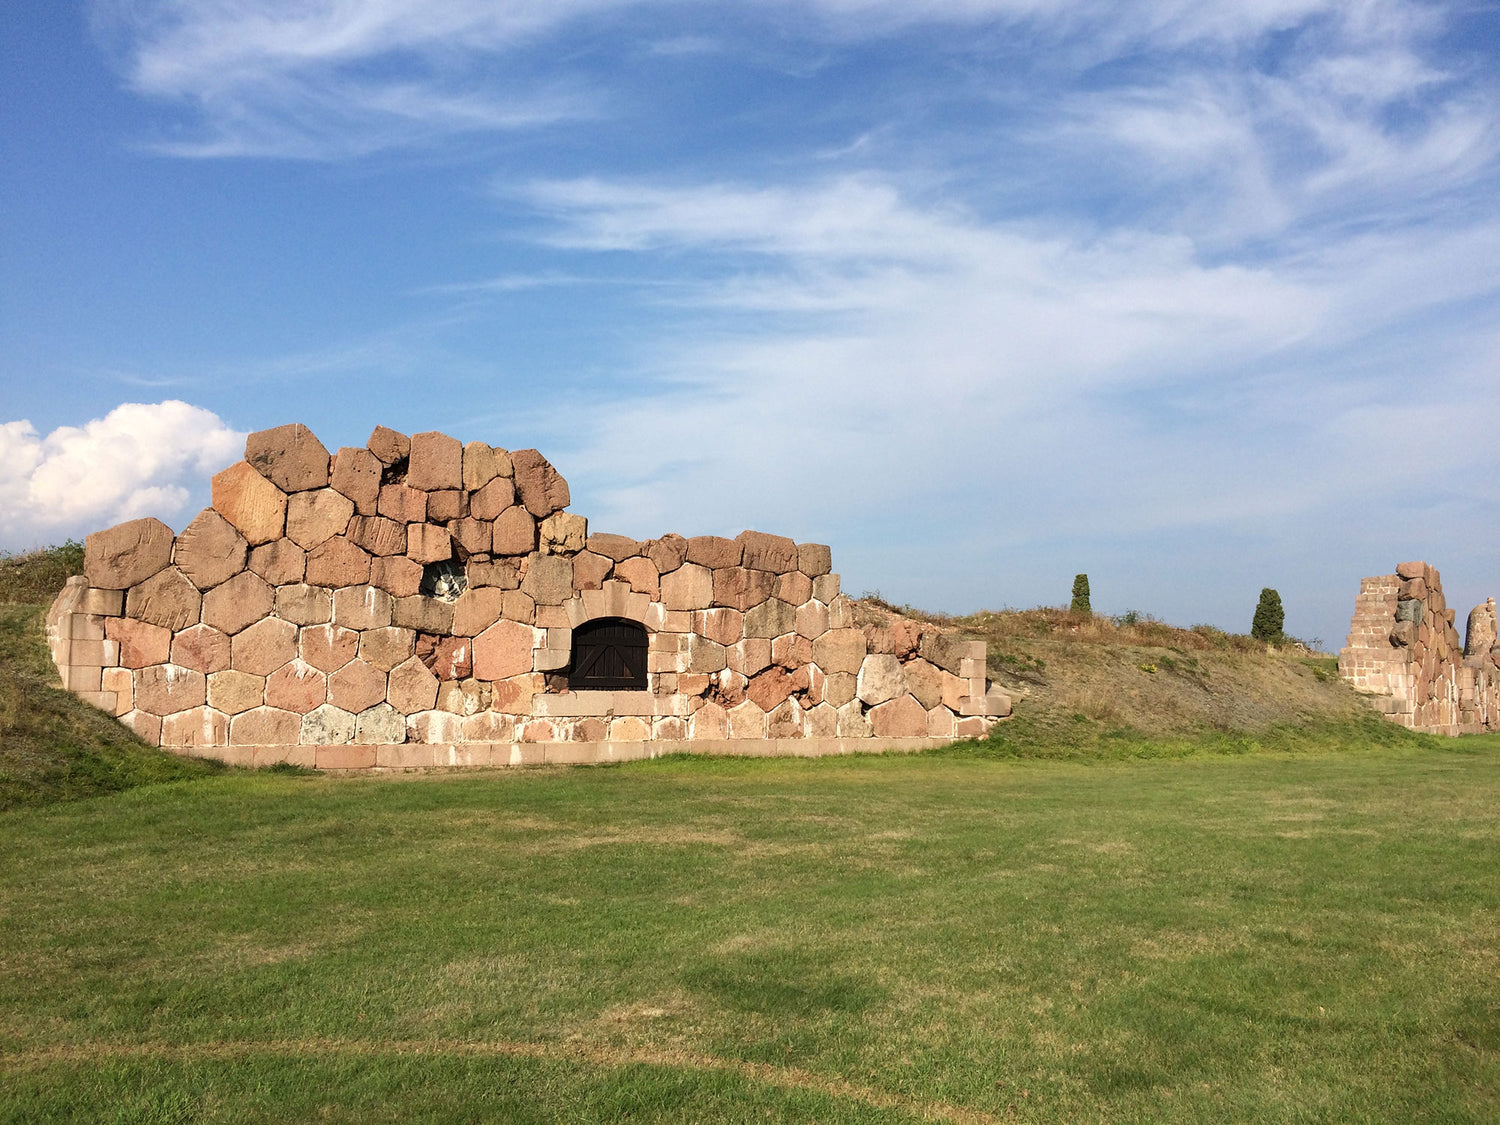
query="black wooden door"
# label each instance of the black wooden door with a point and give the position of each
(609, 654)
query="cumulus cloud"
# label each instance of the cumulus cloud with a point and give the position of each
(139, 459)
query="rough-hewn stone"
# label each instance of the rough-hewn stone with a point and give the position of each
(549, 580)
(742, 589)
(435, 461)
(476, 610)
(233, 605)
(428, 543)
(202, 648)
(503, 650)
(447, 505)
(265, 726)
(590, 570)
(379, 536)
(164, 689)
(356, 474)
(338, 562)
(304, 605)
(201, 726)
(289, 456)
(389, 446)
(614, 547)
(327, 647)
(233, 691)
(473, 536)
(255, 506)
(380, 724)
(714, 551)
(412, 687)
(881, 680)
(563, 533)
(449, 658)
(424, 614)
(775, 553)
(839, 650)
(362, 607)
(925, 681)
(317, 515)
(385, 648)
(642, 576)
(397, 575)
(402, 504)
(514, 532)
(356, 686)
(279, 562)
(667, 553)
(690, 586)
(814, 559)
(770, 618)
(167, 599)
(297, 687)
(127, 554)
(725, 626)
(540, 487)
(141, 643)
(900, 717)
(327, 726)
(209, 550)
(483, 463)
(794, 587)
(492, 499)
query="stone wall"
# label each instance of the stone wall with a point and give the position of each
(1404, 652)
(423, 591)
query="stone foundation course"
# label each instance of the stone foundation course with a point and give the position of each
(1404, 653)
(425, 593)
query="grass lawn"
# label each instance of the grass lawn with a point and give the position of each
(1268, 937)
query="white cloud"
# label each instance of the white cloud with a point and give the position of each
(139, 459)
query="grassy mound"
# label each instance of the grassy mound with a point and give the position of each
(53, 746)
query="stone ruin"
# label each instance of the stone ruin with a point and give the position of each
(1404, 653)
(423, 602)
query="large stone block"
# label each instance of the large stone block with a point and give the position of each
(900, 717)
(327, 647)
(327, 726)
(563, 533)
(743, 589)
(338, 562)
(447, 506)
(714, 551)
(771, 618)
(590, 571)
(304, 605)
(389, 446)
(794, 587)
(514, 532)
(690, 586)
(233, 691)
(881, 680)
(289, 456)
(279, 562)
(428, 543)
(925, 681)
(641, 574)
(814, 559)
(379, 536)
(476, 610)
(255, 506)
(386, 648)
(709, 722)
(724, 626)
(167, 599)
(201, 726)
(514, 696)
(357, 686)
(705, 655)
(822, 721)
(463, 696)
(425, 615)
(202, 648)
(749, 656)
(617, 548)
(483, 463)
(785, 721)
(436, 461)
(397, 575)
(771, 688)
(165, 689)
(504, 650)
(746, 720)
(899, 638)
(492, 499)
(412, 687)
(297, 687)
(147, 727)
(473, 536)
(209, 550)
(853, 722)
(1410, 570)
(449, 658)
(141, 643)
(826, 588)
(402, 504)
(317, 515)
(356, 474)
(549, 580)
(944, 651)
(381, 724)
(238, 603)
(265, 726)
(775, 553)
(127, 554)
(540, 487)
(667, 553)
(812, 620)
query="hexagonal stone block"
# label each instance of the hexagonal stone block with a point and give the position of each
(357, 686)
(265, 646)
(165, 689)
(265, 726)
(233, 691)
(238, 603)
(412, 687)
(327, 726)
(380, 724)
(167, 599)
(328, 647)
(127, 554)
(202, 648)
(290, 457)
(255, 506)
(209, 550)
(200, 726)
(296, 686)
(316, 516)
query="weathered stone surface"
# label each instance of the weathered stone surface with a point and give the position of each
(901, 717)
(504, 650)
(428, 543)
(496, 496)
(563, 533)
(482, 464)
(297, 687)
(243, 600)
(900, 638)
(327, 726)
(304, 605)
(379, 536)
(356, 686)
(549, 580)
(746, 720)
(127, 554)
(147, 727)
(412, 687)
(852, 721)
(381, 724)
(667, 553)
(590, 571)
(629, 728)
(209, 550)
(141, 643)
(925, 681)
(812, 620)
(165, 689)
(436, 461)
(1481, 632)
(265, 726)
(1409, 570)
(255, 506)
(642, 576)
(449, 658)
(389, 446)
(515, 532)
(463, 696)
(402, 504)
(690, 586)
(289, 456)
(794, 587)
(315, 516)
(724, 626)
(425, 615)
(770, 688)
(385, 648)
(540, 487)
(775, 553)
(447, 505)
(822, 721)
(233, 691)
(434, 727)
(201, 648)
(473, 536)
(748, 657)
(476, 610)
(941, 723)
(714, 551)
(614, 547)
(327, 647)
(265, 646)
(881, 680)
(362, 607)
(770, 619)
(356, 474)
(709, 722)
(279, 562)
(167, 599)
(826, 588)
(785, 721)
(791, 651)
(814, 559)
(705, 655)
(201, 726)
(338, 562)
(944, 651)
(513, 696)
(397, 575)
(743, 589)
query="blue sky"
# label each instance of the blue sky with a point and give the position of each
(1194, 298)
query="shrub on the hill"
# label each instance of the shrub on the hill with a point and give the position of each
(1269, 618)
(1081, 595)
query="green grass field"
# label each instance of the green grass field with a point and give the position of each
(1266, 936)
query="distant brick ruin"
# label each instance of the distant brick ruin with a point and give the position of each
(421, 602)
(1404, 652)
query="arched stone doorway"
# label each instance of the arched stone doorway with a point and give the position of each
(609, 654)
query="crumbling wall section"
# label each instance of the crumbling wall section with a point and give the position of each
(1404, 653)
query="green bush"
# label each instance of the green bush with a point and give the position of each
(1269, 618)
(1081, 595)
(36, 577)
